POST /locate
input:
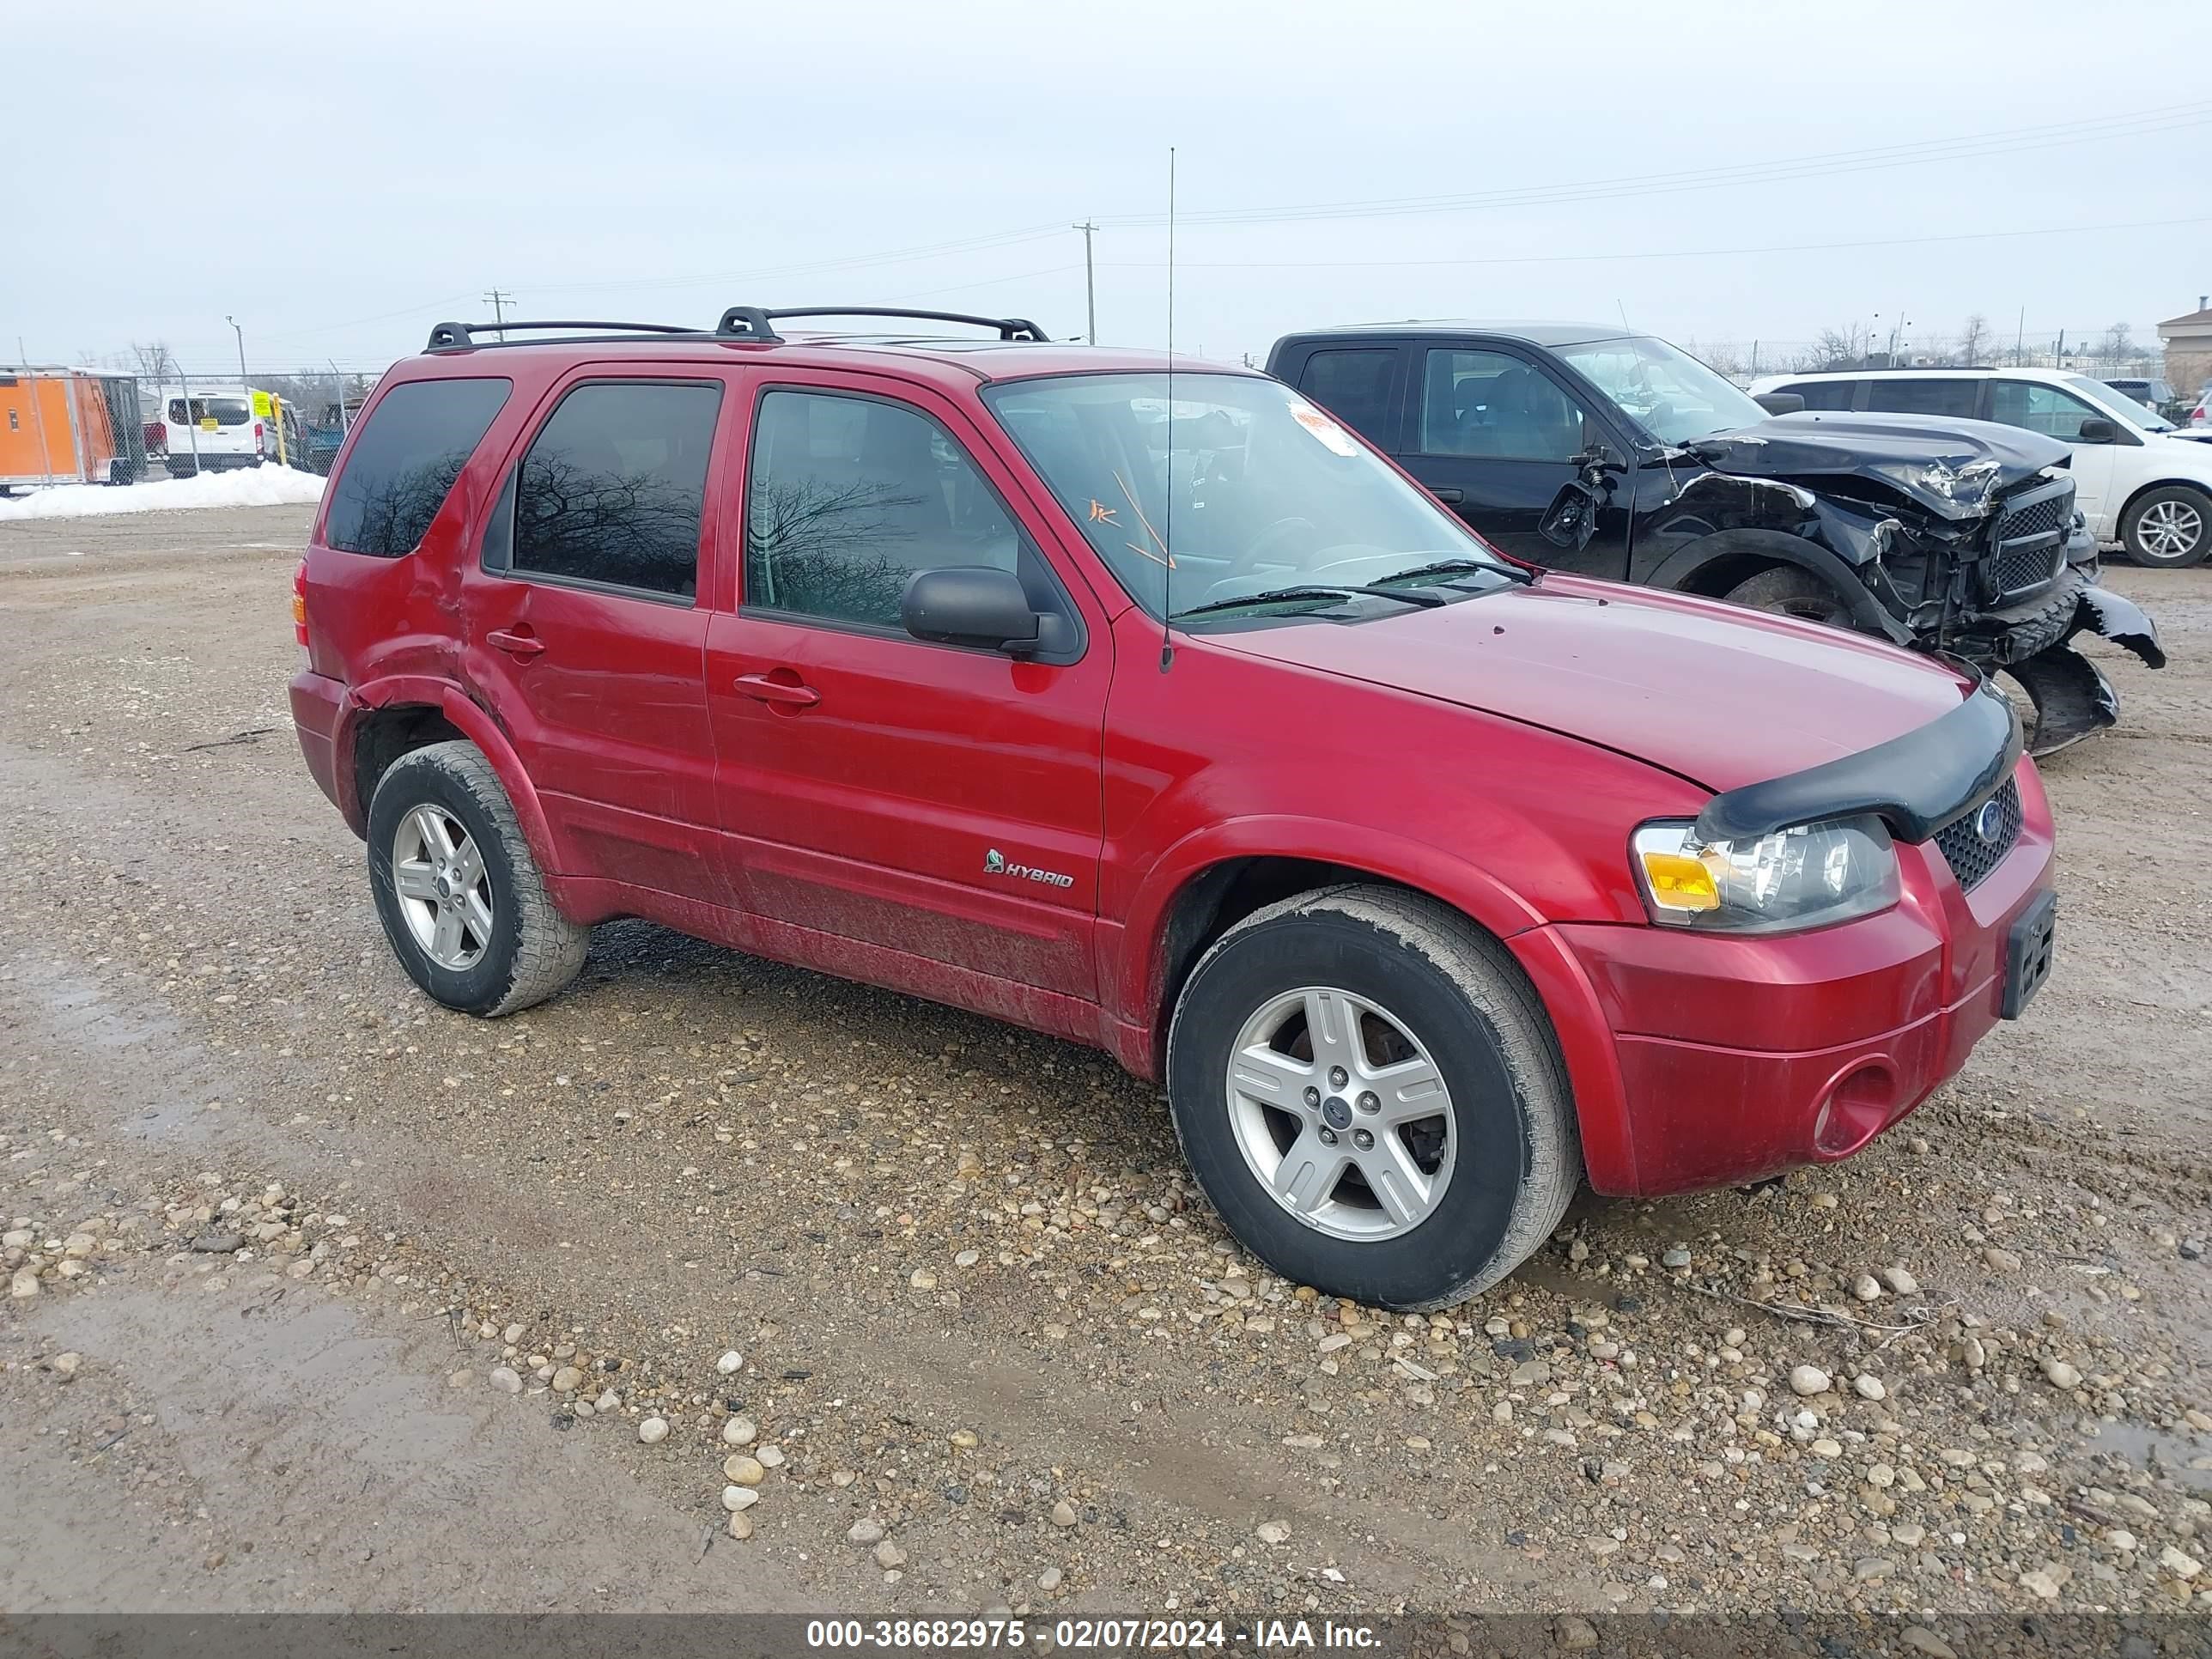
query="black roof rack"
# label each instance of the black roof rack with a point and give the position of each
(755, 323)
(450, 336)
(758, 322)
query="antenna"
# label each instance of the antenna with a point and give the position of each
(1167, 516)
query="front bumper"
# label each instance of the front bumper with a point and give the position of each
(1724, 1060)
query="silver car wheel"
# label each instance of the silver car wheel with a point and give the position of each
(1341, 1113)
(2170, 529)
(438, 876)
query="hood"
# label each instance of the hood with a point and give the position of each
(1904, 451)
(1715, 693)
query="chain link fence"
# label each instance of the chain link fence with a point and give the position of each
(63, 424)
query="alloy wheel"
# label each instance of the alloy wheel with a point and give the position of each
(2170, 529)
(438, 875)
(1341, 1113)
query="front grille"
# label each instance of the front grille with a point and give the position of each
(2030, 543)
(1972, 855)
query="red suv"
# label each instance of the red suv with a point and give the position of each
(1140, 703)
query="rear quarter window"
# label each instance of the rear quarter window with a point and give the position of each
(405, 461)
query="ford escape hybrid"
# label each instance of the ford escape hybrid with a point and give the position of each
(1142, 703)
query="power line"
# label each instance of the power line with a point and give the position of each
(1663, 253)
(499, 298)
(2005, 141)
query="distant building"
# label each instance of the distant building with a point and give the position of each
(2188, 343)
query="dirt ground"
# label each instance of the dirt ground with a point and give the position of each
(325, 1298)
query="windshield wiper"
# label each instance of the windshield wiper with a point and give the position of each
(1312, 591)
(1451, 567)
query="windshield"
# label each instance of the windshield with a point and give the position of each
(1677, 399)
(1259, 491)
(2120, 404)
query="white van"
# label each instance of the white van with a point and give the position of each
(228, 435)
(2136, 485)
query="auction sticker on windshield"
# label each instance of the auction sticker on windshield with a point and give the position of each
(1335, 437)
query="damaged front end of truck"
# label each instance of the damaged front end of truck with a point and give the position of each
(1964, 535)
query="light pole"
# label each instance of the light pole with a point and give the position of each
(240, 332)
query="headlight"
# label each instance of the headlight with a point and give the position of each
(1969, 485)
(1807, 876)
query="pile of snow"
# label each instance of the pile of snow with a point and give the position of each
(259, 486)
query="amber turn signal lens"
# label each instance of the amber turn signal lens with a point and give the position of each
(1678, 882)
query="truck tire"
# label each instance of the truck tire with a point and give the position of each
(457, 890)
(1370, 1094)
(2168, 529)
(1785, 590)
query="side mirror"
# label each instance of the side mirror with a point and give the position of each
(2096, 431)
(1572, 518)
(1781, 403)
(970, 604)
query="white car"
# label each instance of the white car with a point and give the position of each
(2136, 481)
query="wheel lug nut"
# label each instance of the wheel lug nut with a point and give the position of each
(1368, 1104)
(1363, 1140)
(1328, 1137)
(1313, 1097)
(1338, 1077)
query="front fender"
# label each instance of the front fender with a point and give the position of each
(1681, 569)
(1136, 981)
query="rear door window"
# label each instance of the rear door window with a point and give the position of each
(1354, 386)
(1956, 397)
(405, 461)
(614, 485)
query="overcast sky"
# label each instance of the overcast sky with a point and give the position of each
(340, 177)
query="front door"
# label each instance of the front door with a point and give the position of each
(584, 628)
(1495, 437)
(2057, 413)
(938, 806)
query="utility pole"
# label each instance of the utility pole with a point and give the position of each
(2019, 340)
(1089, 282)
(242, 384)
(499, 298)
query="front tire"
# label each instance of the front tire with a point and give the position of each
(459, 896)
(1784, 590)
(1369, 1093)
(2169, 529)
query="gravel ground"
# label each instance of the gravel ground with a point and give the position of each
(716, 1283)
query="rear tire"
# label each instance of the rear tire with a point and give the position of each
(1406, 984)
(2169, 529)
(1784, 590)
(459, 896)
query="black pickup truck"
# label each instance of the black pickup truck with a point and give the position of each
(1617, 455)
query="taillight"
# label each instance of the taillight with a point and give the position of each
(299, 603)
(257, 432)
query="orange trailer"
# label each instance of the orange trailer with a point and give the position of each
(68, 426)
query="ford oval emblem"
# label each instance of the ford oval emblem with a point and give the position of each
(1989, 823)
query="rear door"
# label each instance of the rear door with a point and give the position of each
(1363, 385)
(585, 629)
(1494, 434)
(936, 807)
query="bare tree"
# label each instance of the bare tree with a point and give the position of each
(2116, 345)
(1973, 340)
(1837, 348)
(1723, 357)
